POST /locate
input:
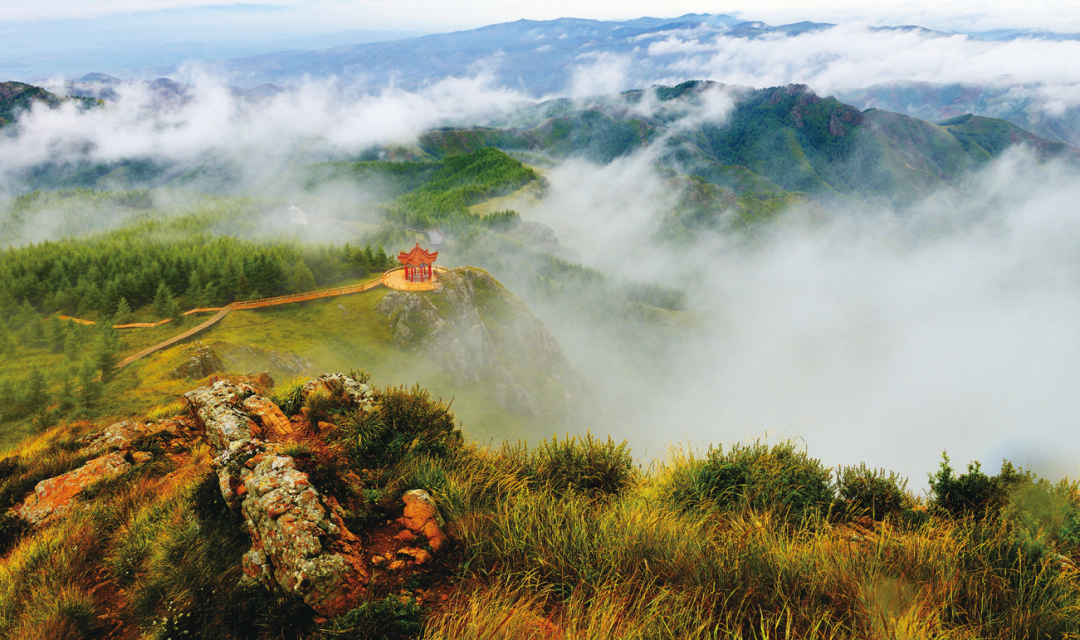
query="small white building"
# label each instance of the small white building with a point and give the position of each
(296, 215)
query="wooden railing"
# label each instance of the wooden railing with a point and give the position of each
(249, 304)
(237, 306)
(302, 297)
(173, 340)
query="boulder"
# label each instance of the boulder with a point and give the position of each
(299, 543)
(54, 497)
(356, 393)
(218, 409)
(275, 425)
(199, 362)
(421, 517)
(122, 435)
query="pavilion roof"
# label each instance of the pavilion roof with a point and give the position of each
(417, 256)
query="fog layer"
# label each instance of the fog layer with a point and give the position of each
(885, 337)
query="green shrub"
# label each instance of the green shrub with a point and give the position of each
(405, 421)
(974, 492)
(289, 396)
(1046, 514)
(583, 464)
(393, 618)
(779, 478)
(874, 492)
(317, 406)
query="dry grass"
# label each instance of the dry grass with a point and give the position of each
(156, 549)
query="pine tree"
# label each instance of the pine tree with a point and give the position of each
(89, 387)
(195, 287)
(208, 297)
(57, 334)
(9, 399)
(123, 312)
(164, 304)
(73, 342)
(105, 351)
(35, 331)
(301, 279)
(66, 398)
(37, 391)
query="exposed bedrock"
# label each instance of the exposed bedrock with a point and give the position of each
(299, 541)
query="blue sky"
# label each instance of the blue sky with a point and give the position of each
(121, 37)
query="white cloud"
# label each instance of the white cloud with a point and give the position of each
(883, 337)
(213, 122)
(857, 56)
(599, 74)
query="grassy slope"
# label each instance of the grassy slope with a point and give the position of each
(336, 334)
(566, 540)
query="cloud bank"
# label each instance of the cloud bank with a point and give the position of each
(258, 136)
(858, 56)
(885, 337)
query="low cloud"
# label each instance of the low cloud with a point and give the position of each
(885, 337)
(854, 55)
(317, 117)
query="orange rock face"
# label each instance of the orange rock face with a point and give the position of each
(56, 496)
(420, 517)
(122, 434)
(276, 427)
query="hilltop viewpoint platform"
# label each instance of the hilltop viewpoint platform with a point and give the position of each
(395, 279)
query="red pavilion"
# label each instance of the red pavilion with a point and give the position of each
(417, 264)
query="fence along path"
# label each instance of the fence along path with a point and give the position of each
(237, 306)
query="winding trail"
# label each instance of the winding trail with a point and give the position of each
(392, 279)
(173, 340)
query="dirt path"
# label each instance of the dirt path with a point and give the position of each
(251, 304)
(173, 340)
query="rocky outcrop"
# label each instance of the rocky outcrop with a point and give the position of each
(124, 435)
(420, 518)
(299, 541)
(54, 497)
(274, 425)
(355, 393)
(199, 362)
(217, 407)
(242, 357)
(477, 330)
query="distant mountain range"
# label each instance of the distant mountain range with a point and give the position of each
(539, 58)
(529, 55)
(778, 139)
(17, 97)
(774, 146)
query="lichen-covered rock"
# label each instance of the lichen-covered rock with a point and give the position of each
(199, 362)
(275, 425)
(299, 541)
(218, 408)
(56, 496)
(358, 394)
(122, 435)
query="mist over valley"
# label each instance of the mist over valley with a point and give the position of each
(680, 262)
